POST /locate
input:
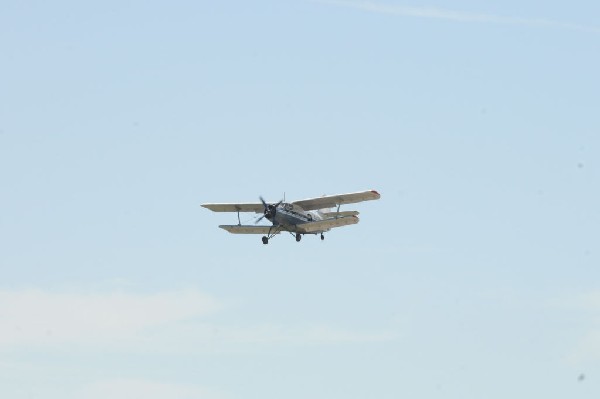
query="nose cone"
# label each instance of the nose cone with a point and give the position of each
(270, 212)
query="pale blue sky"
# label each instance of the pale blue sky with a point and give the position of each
(475, 275)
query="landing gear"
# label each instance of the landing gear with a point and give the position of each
(273, 231)
(298, 237)
(322, 237)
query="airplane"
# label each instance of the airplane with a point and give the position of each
(308, 216)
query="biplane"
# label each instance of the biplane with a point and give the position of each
(308, 216)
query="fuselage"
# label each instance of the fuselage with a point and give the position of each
(292, 215)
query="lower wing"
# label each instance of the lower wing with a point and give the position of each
(246, 207)
(324, 225)
(339, 214)
(249, 229)
(318, 226)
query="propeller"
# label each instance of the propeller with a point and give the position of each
(270, 210)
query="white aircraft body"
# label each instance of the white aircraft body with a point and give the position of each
(308, 216)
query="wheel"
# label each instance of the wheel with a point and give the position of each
(265, 240)
(298, 237)
(322, 237)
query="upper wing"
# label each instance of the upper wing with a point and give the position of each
(249, 229)
(248, 207)
(324, 225)
(330, 201)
